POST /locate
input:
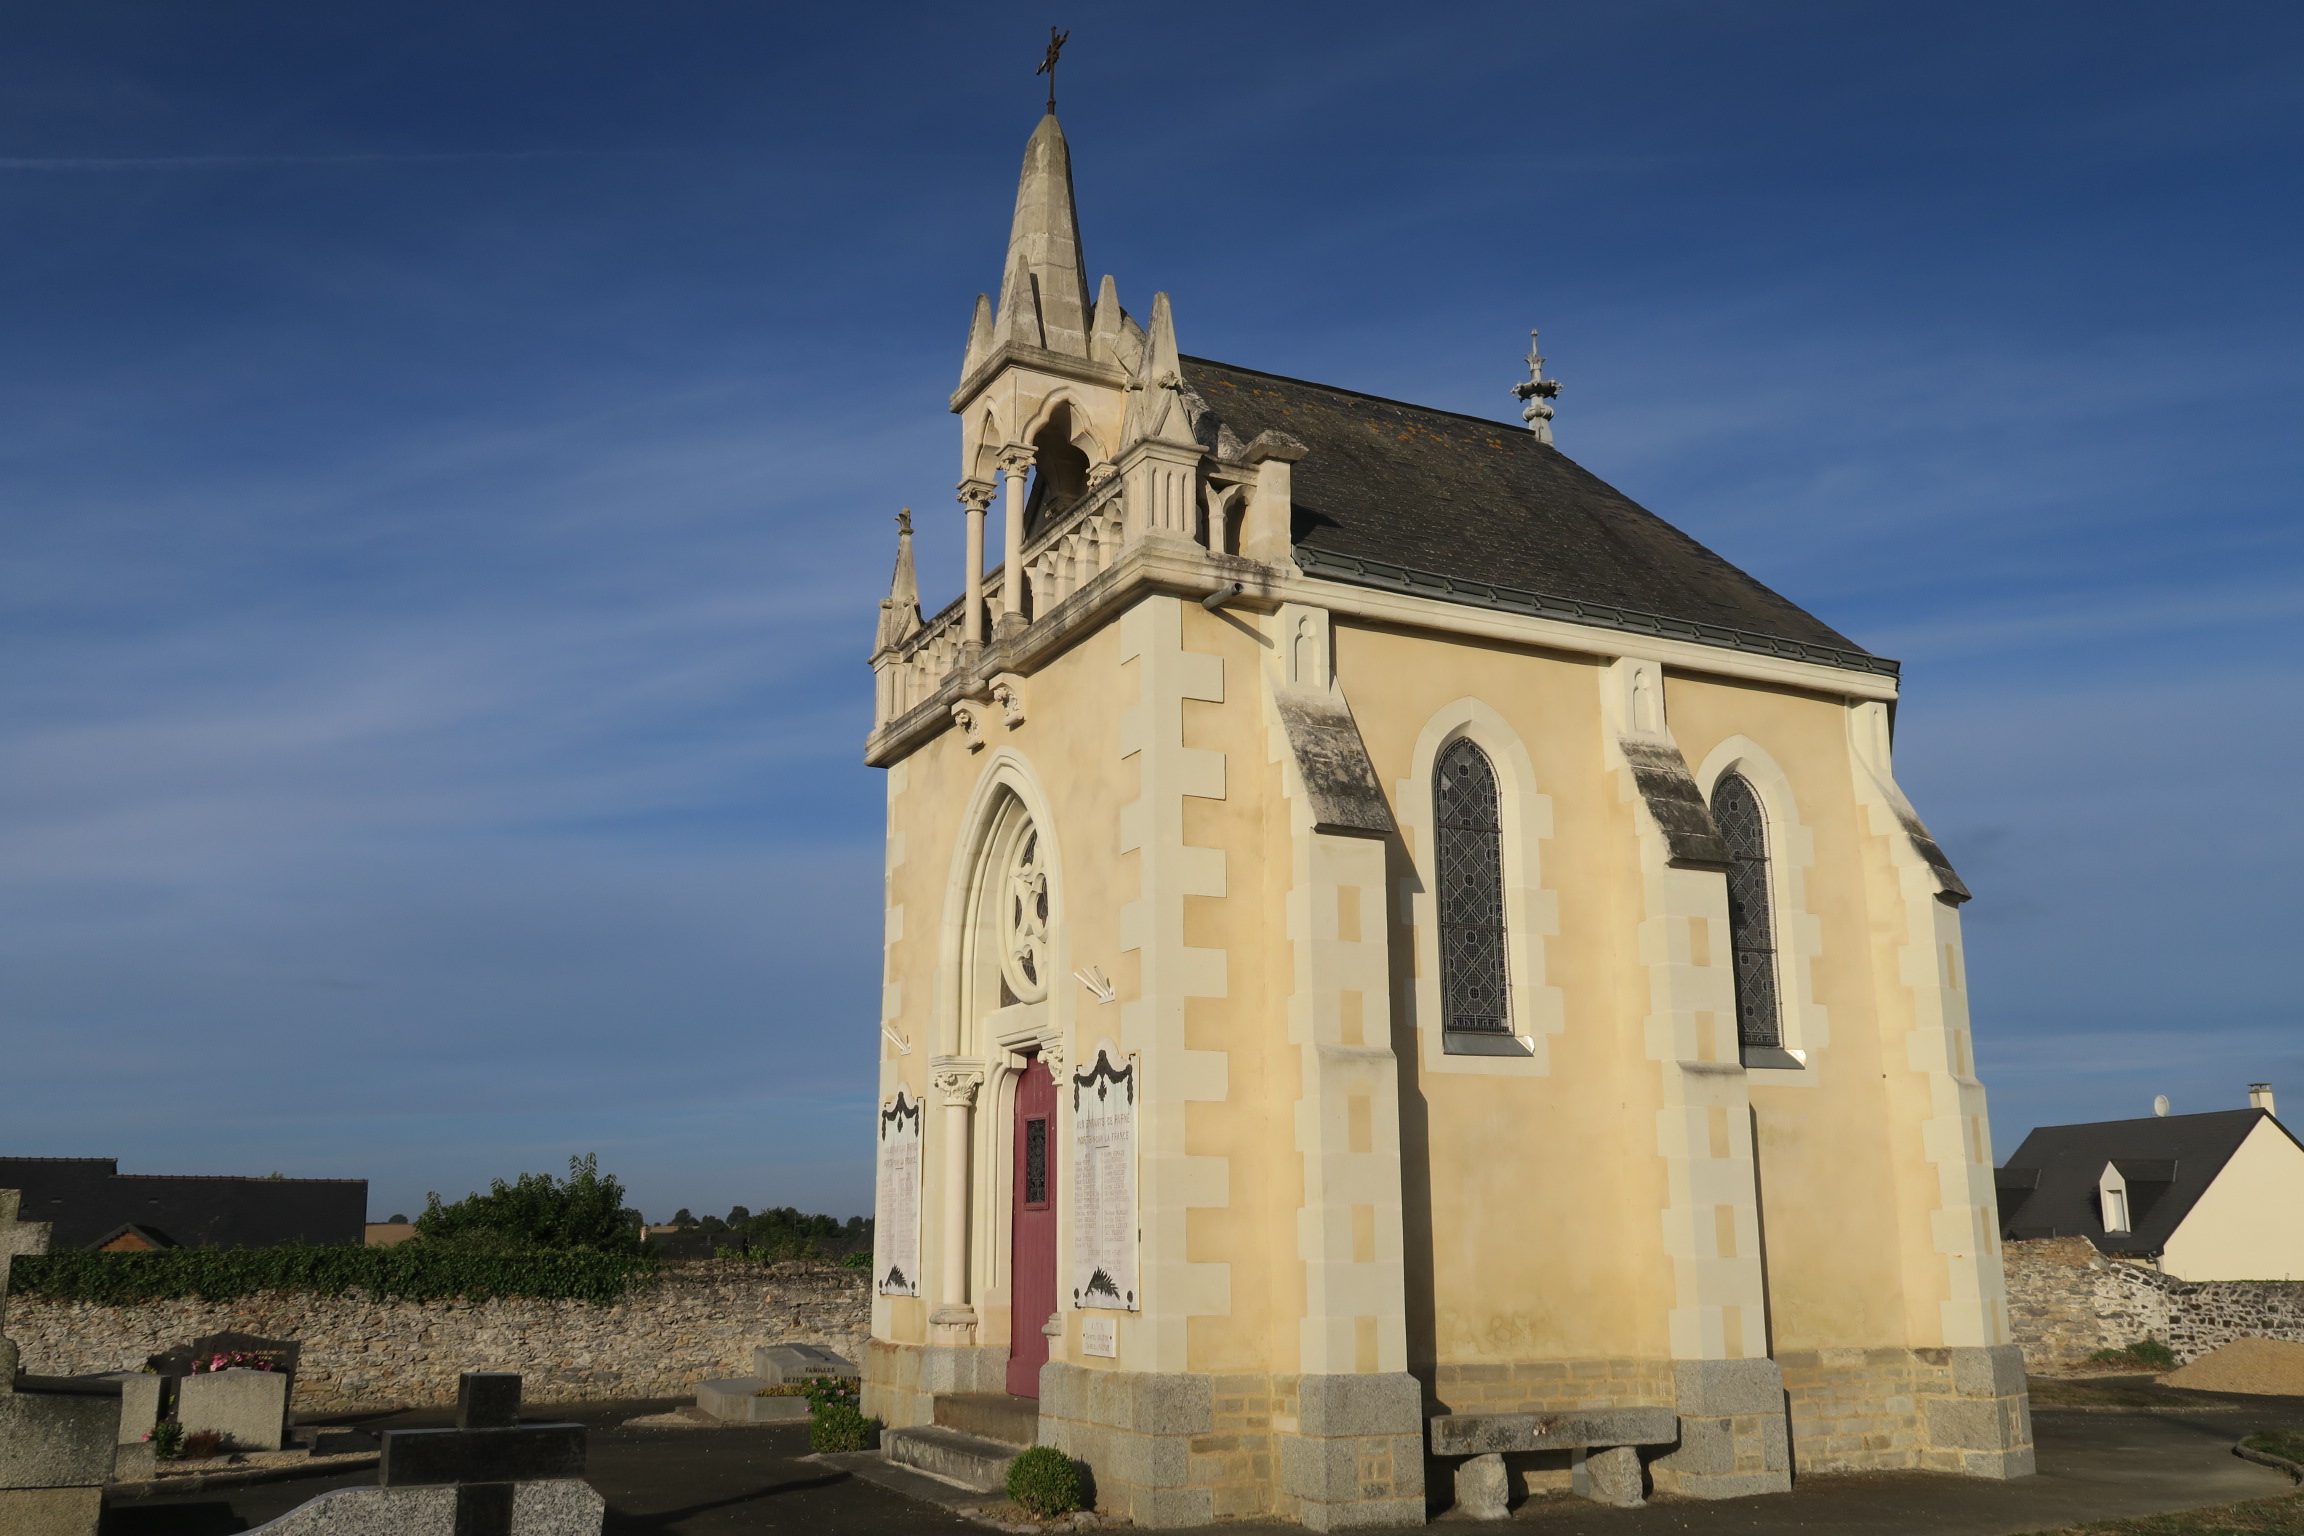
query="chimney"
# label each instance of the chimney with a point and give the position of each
(2260, 1097)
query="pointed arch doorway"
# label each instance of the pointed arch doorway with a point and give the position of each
(1032, 1227)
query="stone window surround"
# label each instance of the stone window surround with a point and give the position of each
(1802, 1021)
(1531, 913)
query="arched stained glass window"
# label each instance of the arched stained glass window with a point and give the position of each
(1751, 923)
(1475, 993)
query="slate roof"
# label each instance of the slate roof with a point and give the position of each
(2048, 1186)
(89, 1200)
(1473, 510)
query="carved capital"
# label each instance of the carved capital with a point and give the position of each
(958, 1085)
(1016, 459)
(976, 495)
(1052, 1056)
(1008, 693)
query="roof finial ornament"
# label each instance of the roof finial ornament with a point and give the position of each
(1539, 392)
(1056, 42)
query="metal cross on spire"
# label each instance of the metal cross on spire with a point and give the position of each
(1056, 42)
(1539, 392)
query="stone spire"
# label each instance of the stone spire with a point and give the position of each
(1044, 286)
(900, 610)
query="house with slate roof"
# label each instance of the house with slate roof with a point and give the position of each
(1382, 927)
(2215, 1196)
(92, 1204)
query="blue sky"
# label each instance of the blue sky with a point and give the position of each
(448, 456)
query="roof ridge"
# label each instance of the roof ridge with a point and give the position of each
(244, 1178)
(2198, 1114)
(1362, 394)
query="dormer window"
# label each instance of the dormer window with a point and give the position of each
(2112, 1199)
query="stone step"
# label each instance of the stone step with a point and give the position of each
(990, 1415)
(968, 1461)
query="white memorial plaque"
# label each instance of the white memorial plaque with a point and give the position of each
(896, 1200)
(1104, 1183)
(1100, 1336)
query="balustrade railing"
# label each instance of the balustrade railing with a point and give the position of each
(1080, 544)
(1077, 548)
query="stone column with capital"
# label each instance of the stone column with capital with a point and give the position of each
(956, 1087)
(975, 497)
(1016, 464)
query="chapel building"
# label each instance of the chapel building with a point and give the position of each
(1380, 926)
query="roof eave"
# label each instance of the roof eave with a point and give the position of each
(1385, 576)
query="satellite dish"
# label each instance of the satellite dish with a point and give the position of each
(2160, 1104)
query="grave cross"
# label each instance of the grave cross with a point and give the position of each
(485, 1456)
(16, 1237)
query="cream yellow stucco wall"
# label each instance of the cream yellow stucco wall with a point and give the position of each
(1533, 1188)
(1833, 1231)
(2250, 1223)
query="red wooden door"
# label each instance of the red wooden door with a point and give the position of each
(1032, 1230)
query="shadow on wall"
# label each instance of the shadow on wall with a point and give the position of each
(1415, 1139)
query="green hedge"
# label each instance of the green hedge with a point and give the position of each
(418, 1271)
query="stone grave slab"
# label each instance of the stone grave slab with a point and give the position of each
(782, 1363)
(536, 1509)
(737, 1400)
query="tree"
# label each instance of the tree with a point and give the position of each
(397, 1219)
(585, 1210)
(681, 1218)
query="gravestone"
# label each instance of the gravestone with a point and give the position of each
(488, 1476)
(248, 1408)
(737, 1399)
(778, 1364)
(57, 1441)
(485, 1456)
(140, 1394)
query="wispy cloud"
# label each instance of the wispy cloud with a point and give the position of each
(235, 162)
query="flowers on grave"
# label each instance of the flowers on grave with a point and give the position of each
(233, 1360)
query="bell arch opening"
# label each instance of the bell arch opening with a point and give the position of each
(1059, 471)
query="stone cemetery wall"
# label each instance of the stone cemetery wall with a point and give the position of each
(2067, 1301)
(700, 1320)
